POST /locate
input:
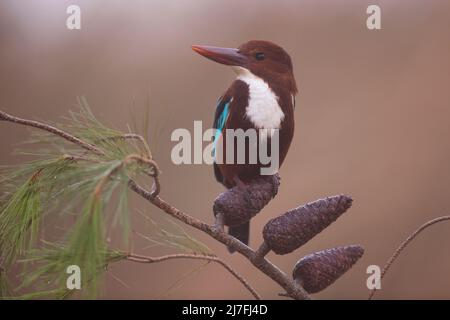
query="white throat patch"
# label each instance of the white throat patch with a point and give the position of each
(263, 109)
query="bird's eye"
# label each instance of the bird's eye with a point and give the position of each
(259, 56)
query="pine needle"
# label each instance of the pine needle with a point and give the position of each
(19, 221)
(90, 190)
(5, 292)
(178, 238)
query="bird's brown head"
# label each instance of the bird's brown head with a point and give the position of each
(262, 58)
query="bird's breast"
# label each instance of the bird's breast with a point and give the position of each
(263, 109)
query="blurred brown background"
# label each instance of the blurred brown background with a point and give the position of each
(373, 120)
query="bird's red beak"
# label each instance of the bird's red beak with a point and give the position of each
(227, 56)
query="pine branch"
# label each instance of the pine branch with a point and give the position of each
(292, 288)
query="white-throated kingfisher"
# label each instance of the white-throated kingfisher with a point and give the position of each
(261, 97)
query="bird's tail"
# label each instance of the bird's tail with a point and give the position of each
(240, 232)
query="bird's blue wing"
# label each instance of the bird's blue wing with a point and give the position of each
(220, 118)
(219, 121)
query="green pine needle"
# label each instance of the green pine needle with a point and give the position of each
(19, 220)
(176, 238)
(5, 291)
(62, 179)
(49, 275)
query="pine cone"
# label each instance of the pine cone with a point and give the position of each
(239, 205)
(294, 228)
(317, 271)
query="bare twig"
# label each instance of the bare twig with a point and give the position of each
(292, 288)
(31, 123)
(145, 259)
(404, 244)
